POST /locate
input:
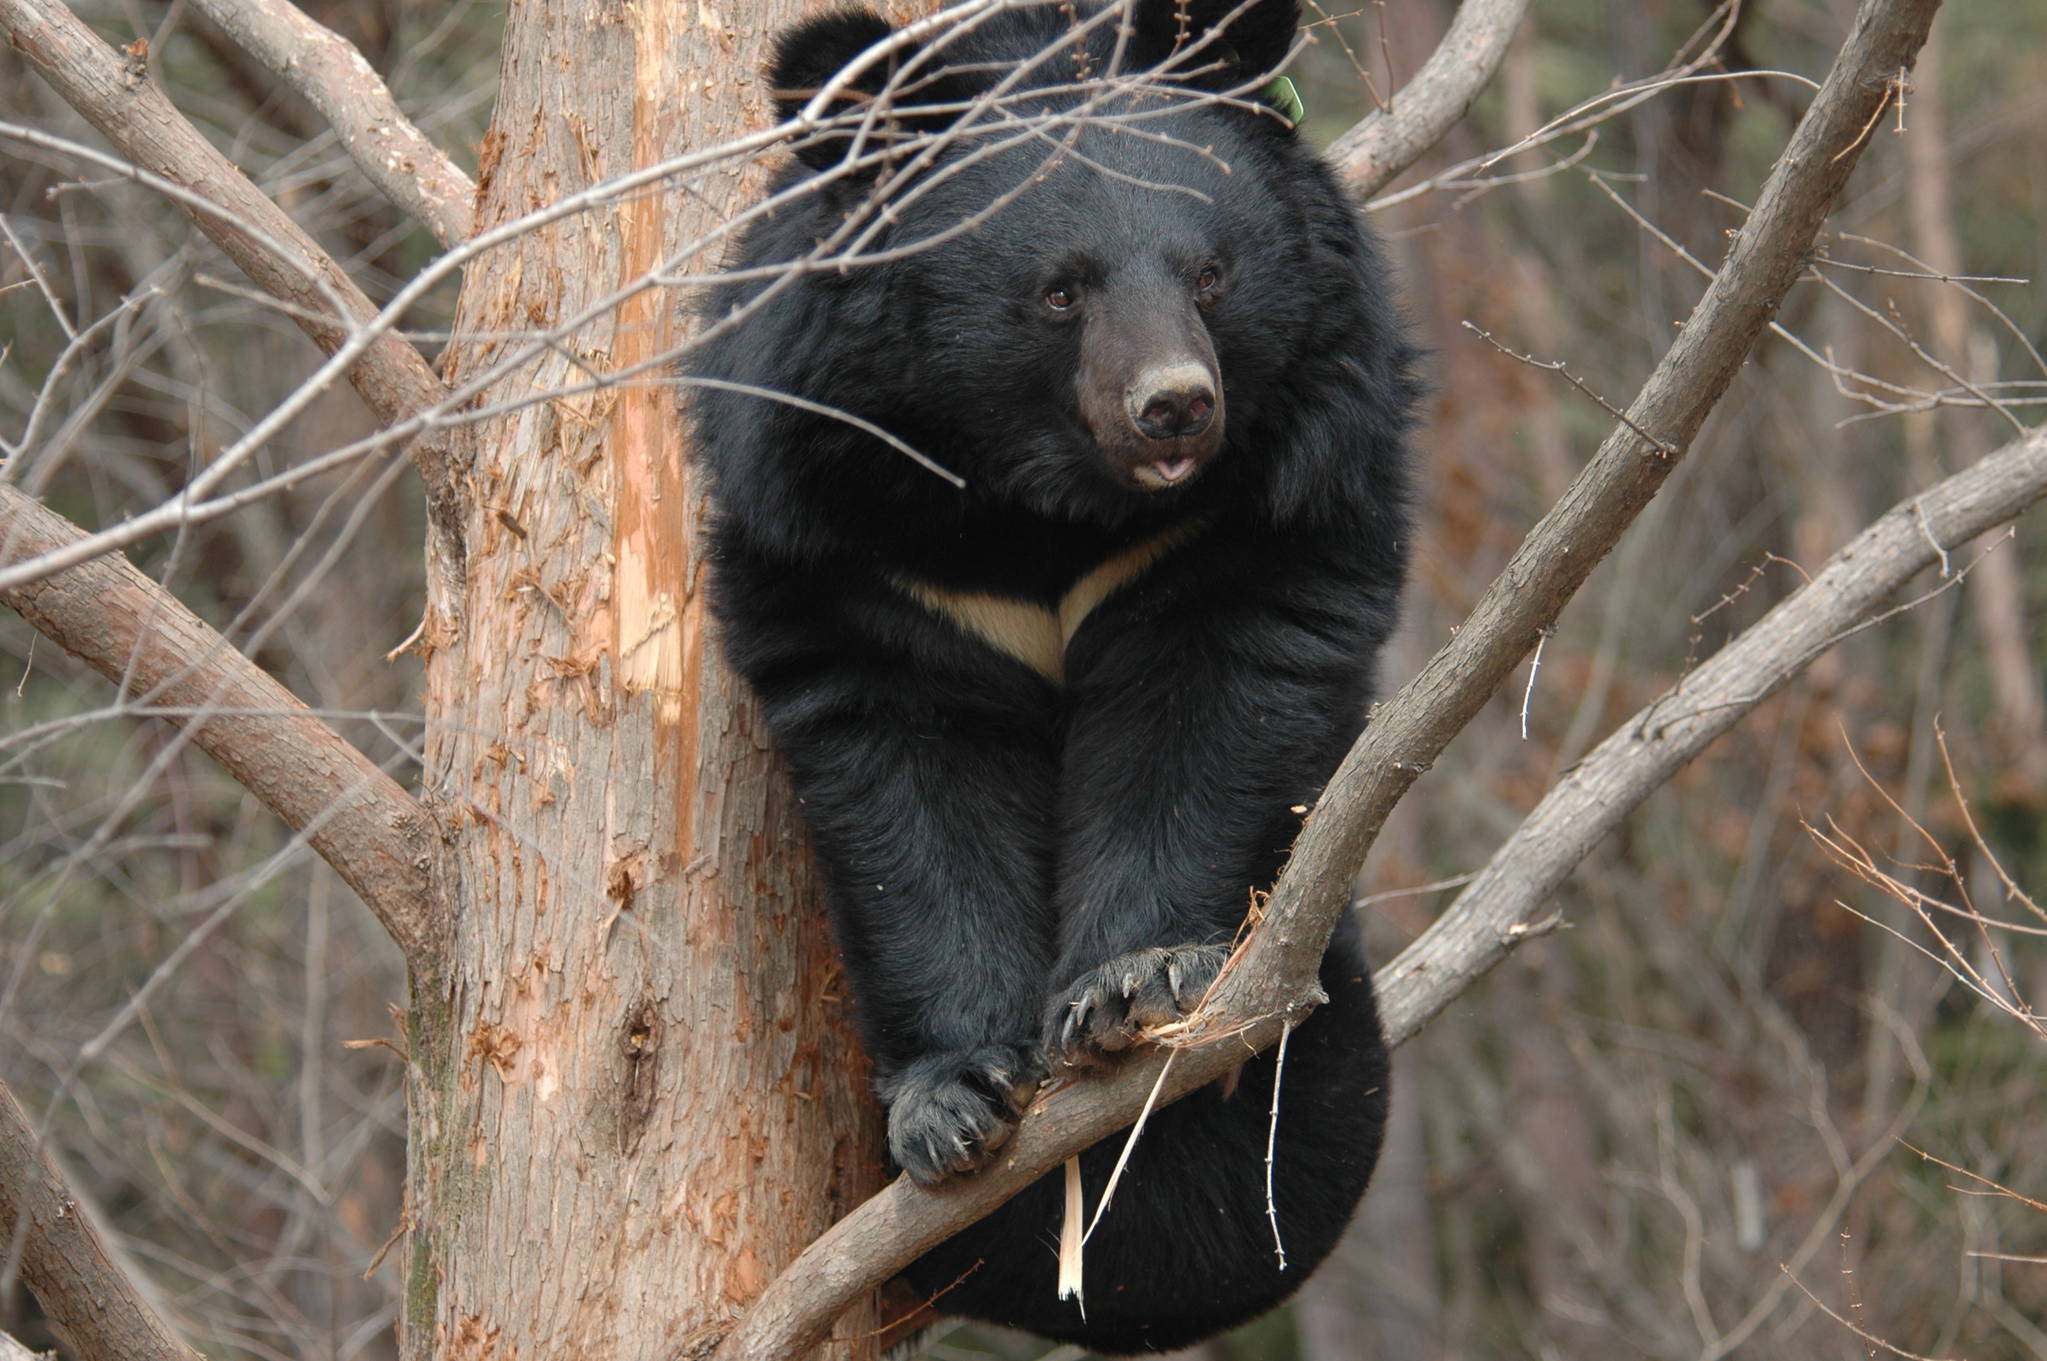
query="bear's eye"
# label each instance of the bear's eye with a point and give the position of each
(1060, 298)
(1208, 279)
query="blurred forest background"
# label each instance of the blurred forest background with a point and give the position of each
(1686, 1126)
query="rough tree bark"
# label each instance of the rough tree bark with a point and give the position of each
(634, 1095)
(623, 917)
(638, 1095)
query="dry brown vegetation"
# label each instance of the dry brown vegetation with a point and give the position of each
(1769, 1078)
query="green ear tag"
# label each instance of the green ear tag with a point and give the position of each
(1281, 94)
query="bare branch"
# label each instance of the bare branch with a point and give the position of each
(452, 409)
(324, 67)
(1768, 255)
(1558, 367)
(1268, 990)
(117, 98)
(129, 629)
(1383, 144)
(83, 1290)
(1995, 1187)
(1851, 1325)
(1588, 803)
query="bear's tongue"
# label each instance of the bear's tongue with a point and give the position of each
(1170, 470)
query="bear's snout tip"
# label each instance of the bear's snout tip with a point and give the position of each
(1175, 402)
(1175, 412)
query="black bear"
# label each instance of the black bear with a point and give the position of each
(1054, 716)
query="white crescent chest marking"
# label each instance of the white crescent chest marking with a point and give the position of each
(1037, 635)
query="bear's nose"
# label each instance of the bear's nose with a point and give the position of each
(1173, 402)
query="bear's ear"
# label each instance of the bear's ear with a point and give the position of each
(1252, 36)
(808, 55)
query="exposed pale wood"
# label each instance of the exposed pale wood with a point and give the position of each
(11, 1350)
(639, 1095)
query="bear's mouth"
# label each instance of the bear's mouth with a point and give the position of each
(1165, 472)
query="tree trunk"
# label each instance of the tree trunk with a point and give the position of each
(636, 1092)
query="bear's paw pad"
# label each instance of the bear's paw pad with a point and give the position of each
(1110, 1008)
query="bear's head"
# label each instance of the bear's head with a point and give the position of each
(1075, 255)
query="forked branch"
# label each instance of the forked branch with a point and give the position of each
(126, 626)
(1768, 255)
(116, 96)
(1489, 918)
(1271, 981)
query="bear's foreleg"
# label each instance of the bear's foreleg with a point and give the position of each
(1202, 723)
(926, 767)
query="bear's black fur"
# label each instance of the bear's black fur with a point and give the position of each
(1050, 729)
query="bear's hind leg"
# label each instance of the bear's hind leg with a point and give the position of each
(1186, 1248)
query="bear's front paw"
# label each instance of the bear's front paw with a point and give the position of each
(1107, 1009)
(949, 1112)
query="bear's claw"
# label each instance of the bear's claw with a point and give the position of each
(1109, 1008)
(948, 1113)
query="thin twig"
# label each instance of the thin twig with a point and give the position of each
(1271, 1142)
(1534, 665)
(1855, 1328)
(1557, 366)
